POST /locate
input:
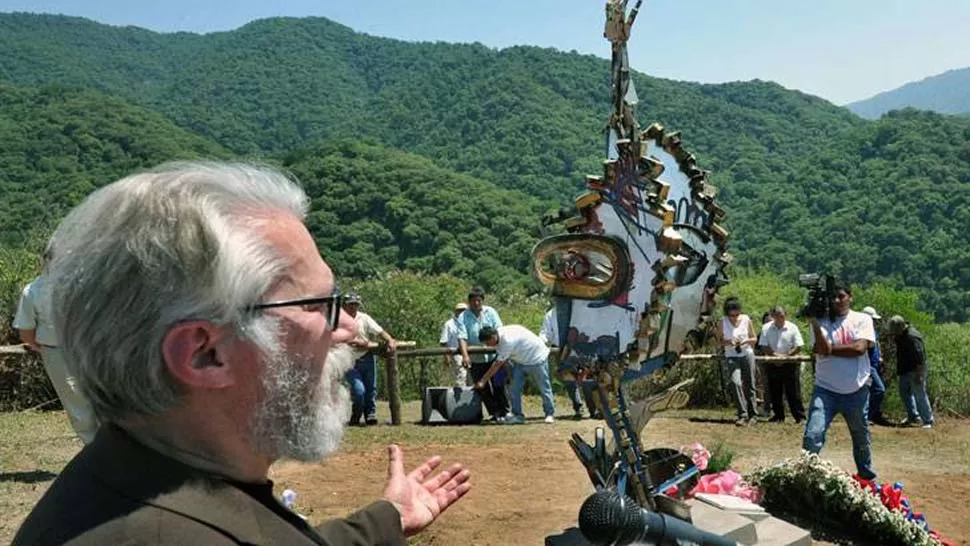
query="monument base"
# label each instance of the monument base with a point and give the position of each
(730, 517)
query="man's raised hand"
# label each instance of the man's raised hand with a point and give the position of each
(418, 498)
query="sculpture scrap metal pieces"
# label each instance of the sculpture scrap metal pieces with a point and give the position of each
(634, 276)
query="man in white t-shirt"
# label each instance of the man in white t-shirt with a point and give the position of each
(527, 354)
(782, 338)
(363, 376)
(842, 378)
(35, 325)
(449, 339)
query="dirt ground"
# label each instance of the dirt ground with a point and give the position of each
(527, 483)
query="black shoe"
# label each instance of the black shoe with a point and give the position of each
(355, 416)
(371, 420)
(882, 421)
(776, 420)
(578, 416)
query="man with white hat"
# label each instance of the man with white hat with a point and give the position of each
(449, 338)
(877, 389)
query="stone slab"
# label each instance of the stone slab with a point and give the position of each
(729, 503)
(777, 532)
(723, 523)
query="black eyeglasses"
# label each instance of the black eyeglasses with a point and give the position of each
(328, 306)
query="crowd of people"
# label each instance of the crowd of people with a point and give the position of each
(848, 371)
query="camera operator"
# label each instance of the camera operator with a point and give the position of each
(841, 346)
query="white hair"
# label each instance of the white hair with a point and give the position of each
(172, 244)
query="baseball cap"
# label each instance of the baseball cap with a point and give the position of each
(352, 297)
(871, 311)
(461, 305)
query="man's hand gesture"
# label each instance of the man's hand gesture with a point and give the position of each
(418, 498)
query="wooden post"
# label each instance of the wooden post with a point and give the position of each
(393, 387)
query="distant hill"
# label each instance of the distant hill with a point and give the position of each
(946, 93)
(438, 157)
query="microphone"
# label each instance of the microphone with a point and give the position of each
(608, 518)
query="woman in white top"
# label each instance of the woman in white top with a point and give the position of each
(738, 339)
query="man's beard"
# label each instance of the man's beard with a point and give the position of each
(296, 418)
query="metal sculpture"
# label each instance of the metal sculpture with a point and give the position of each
(633, 272)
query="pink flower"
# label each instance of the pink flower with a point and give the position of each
(728, 482)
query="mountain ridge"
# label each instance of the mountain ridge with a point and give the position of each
(944, 93)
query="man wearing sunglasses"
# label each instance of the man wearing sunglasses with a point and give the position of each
(841, 346)
(204, 330)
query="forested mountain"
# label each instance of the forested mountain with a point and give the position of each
(946, 93)
(57, 145)
(807, 185)
(373, 208)
(525, 118)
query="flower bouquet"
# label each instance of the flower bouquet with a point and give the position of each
(813, 493)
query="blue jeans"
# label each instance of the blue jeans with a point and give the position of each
(854, 406)
(915, 399)
(540, 374)
(363, 386)
(877, 391)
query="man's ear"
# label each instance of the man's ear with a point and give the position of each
(193, 354)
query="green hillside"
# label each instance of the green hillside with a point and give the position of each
(58, 144)
(807, 185)
(523, 117)
(374, 209)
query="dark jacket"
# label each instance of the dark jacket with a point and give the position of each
(118, 492)
(910, 351)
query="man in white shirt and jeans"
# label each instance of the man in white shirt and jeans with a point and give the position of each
(842, 378)
(449, 339)
(363, 376)
(527, 354)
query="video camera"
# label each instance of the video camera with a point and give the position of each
(821, 296)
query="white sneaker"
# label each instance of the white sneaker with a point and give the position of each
(550, 419)
(928, 426)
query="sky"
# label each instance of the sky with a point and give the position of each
(841, 50)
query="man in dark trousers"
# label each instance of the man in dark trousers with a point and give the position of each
(203, 327)
(782, 338)
(911, 368)
(470, 322)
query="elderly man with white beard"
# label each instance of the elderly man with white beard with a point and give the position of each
(205, 331)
